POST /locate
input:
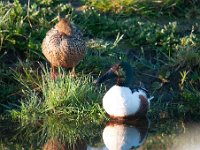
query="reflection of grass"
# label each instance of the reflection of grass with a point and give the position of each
(163, 133)
(52, 128)
(66, 96)
(70, 131)
(172, 134)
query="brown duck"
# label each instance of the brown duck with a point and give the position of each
(63, 46)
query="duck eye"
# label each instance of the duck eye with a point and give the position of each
(120, 72)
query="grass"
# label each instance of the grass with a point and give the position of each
(154, 37)
(144, 7)
(67, 96)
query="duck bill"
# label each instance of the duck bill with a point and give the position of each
(108, 75)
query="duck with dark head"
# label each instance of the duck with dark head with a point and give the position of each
(122, 101)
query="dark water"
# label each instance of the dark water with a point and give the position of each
(57, 134)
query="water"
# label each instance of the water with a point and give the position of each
(59, 134)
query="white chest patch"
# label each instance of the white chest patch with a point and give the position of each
(120, 101)
(121, 137)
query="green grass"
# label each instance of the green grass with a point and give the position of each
(67, 96)
(153, 37)
(161, 40)
(146, 7)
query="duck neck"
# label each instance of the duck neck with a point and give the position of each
(124, 81)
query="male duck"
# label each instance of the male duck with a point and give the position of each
(63, 46)
(122, 101)
(125, 135)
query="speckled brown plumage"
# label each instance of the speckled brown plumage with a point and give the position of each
(63, 45)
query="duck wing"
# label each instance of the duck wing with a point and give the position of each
(137, 89)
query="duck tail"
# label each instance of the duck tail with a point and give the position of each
(150, 98)
(142, 88)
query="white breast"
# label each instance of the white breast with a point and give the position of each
(120, 101)
(120, 137)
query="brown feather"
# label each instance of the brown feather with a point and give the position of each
(63, 45)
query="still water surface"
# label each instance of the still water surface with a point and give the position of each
(57, 134)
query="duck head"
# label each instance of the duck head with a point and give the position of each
(64, 26)
(123, 72)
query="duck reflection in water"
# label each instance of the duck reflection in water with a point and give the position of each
(55, 144)
(125, 135)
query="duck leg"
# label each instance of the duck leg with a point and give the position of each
(73, 73)
(54, 74)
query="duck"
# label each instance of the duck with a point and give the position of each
(125, 135)
(64, 46)
(122, 101)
